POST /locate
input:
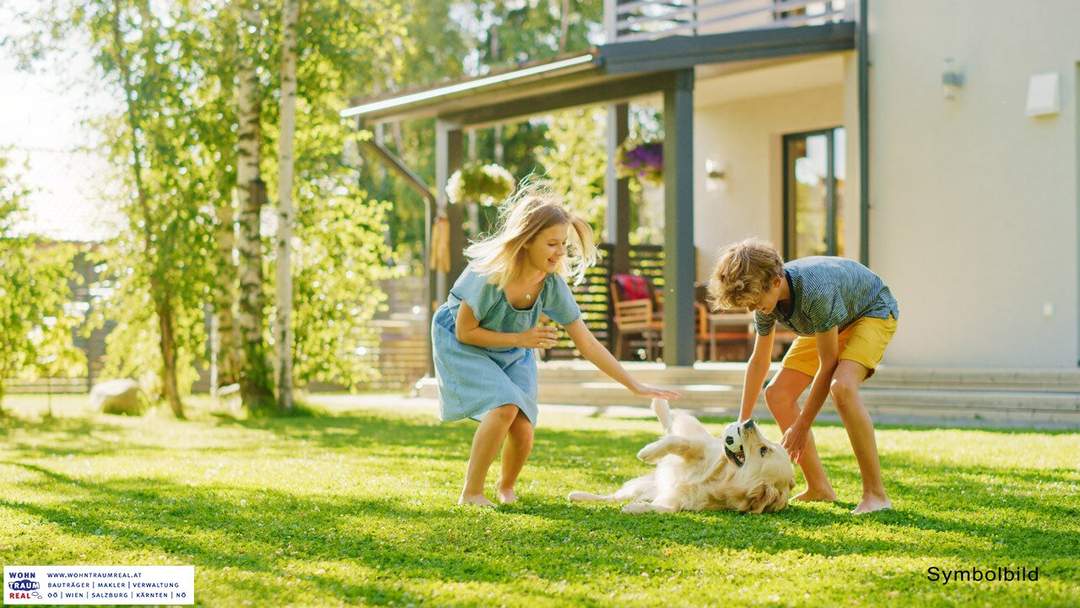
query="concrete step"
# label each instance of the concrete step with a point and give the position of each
(1025, 380)
(1039, 398)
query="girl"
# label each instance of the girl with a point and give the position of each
(484, 335)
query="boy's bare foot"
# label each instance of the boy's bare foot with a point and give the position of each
(476, 500)
(507, 497)
(816, 495)
(871, 504)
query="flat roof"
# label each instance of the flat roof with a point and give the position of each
(605, 73)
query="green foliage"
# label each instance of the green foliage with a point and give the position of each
(36, 322)
(167, 149)
(357, 508)
(340, 257)
(575, 161)
(487, 184)
(529, 30)
(341, 250)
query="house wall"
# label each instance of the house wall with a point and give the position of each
(974, 219)
(744, 137)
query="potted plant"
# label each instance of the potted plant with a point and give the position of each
(643, 160)
(485, 184)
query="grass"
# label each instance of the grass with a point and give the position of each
(355, 507)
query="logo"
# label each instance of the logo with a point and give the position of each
(23, 585)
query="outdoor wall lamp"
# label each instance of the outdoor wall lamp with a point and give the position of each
(952, 78)
(715, 172)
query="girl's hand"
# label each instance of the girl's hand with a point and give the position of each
(644, 390)
(541, 336)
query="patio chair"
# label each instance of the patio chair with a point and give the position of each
(726, 335)
(635, 312)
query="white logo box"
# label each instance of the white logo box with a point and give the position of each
(130, 585)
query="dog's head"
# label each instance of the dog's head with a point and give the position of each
(764, 477)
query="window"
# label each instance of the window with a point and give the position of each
(813, 185)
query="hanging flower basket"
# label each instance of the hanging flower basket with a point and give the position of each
(643, 160)
(475, 182)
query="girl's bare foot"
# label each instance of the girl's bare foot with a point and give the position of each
(507, 497)
(816, 495)
(871, 503)
(476, 500)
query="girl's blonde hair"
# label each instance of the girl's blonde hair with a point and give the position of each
(528, 212)
(743, 273)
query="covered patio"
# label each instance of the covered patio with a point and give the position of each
(611, 74)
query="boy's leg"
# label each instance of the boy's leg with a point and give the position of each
(519, 444)
(781, 396)
(844, 389)
(489, 436)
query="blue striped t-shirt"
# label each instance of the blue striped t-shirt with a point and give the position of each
(829, 292)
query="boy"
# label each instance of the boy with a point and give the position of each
(844, 316)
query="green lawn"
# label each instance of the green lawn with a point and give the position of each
(356, 507)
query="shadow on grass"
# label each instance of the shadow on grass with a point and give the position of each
(969, 513)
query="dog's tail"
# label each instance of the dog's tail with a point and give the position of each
(663, 413)
(590, 497)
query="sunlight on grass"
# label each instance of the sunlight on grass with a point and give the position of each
(357, 507)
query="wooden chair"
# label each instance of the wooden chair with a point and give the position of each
(637, 316)
(743, 336)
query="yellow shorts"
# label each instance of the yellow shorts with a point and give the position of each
(863, 342)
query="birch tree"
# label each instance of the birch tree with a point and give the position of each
(283, 333)
(255, 388)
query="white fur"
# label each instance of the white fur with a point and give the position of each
(693, 473)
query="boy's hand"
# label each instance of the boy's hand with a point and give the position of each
(541, 336)
(795, 439)
(644, 390)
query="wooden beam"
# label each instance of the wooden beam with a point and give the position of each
(449, 153)
(547, 101)
(617, 190)
(679, 259)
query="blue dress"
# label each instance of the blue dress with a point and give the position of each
(474, 380)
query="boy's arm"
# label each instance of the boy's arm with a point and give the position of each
(828, 347)
(756, 370)
(595, 352)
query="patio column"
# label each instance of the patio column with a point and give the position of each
(449, 152)
(679, 220)
(617, 190)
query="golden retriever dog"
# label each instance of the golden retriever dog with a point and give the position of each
(696, 471)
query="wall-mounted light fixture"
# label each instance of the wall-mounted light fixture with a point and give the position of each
(1043, 98)
(952, 78)
(715, 173)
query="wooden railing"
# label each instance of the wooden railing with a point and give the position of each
(628, 20)
(594, 295)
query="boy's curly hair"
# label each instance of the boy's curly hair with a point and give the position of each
(743, 273)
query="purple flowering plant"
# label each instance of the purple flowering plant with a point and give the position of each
(643, 160)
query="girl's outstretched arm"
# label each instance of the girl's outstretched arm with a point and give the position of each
(595, 352)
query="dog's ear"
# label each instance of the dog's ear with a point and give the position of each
(761, 498)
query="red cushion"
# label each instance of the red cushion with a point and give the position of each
(632, 286)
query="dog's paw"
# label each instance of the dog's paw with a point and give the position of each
(651, 453)
(662, 410)
(636, 508)
(579, 496)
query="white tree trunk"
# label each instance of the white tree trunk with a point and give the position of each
(227, 357)
(254, 376)
(286, 215)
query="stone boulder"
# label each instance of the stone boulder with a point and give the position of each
(122, 396)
